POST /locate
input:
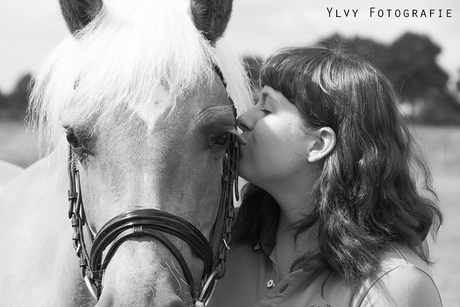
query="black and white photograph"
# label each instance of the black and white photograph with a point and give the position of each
(250, 153)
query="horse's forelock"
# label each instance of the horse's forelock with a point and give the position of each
(128, 60)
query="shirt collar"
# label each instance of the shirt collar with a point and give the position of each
(267, 239)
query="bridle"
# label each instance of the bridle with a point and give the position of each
(155, 224)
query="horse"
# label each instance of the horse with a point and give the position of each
(7, 172)
(136, 116)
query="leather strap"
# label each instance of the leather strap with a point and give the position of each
(152, 223)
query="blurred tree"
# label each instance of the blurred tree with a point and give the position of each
(376, 53)
(3, 105)
(17, 102)
(414, 69)
(457, 84)
(410, 64)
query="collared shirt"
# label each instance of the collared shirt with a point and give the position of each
(252, 279)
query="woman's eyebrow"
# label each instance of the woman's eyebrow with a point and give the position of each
(263, 96)
(269, 98)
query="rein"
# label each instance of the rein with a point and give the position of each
(155, 224)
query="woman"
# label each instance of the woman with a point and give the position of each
(333, 214)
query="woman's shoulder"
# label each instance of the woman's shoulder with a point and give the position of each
(396, 255)
(403, 279)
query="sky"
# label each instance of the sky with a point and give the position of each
(29, 29)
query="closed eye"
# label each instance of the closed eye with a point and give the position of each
(265, 111)
(79, 142)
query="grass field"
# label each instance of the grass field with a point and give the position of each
(442, 148)
(441, 145)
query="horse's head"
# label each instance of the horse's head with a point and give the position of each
(138, 96)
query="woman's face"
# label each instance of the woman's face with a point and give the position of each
(274, 141)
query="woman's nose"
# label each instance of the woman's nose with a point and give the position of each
(247, 120)
(240, 123)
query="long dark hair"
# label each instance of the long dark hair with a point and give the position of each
(375, 186)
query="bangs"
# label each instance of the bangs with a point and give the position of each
(301, 75)
(295, 71)
(278, 72)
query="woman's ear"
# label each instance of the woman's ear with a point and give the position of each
(323, 144)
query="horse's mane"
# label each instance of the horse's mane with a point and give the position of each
(128, 57)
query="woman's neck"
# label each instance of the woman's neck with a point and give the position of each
(288, 248)
(294, 200)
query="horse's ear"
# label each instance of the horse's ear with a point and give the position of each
(211, 17)
(78, 13)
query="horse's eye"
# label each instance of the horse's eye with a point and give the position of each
(222, 139)
(72, 138)
(77, 142)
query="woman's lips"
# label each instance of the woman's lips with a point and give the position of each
(242, 143)
(242, 140)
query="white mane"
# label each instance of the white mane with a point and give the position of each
(132, 56)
